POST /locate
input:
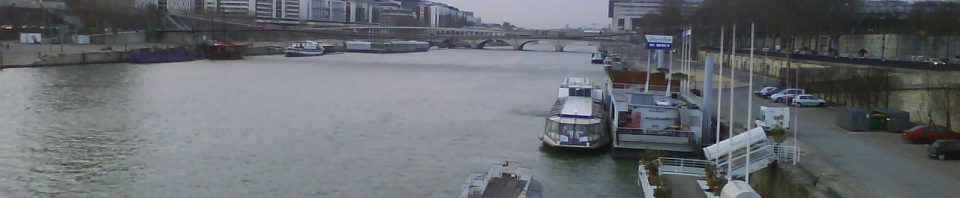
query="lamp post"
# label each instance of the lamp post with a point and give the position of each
(883, 40)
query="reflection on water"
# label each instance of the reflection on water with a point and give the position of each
(68, 142)
(345, 125)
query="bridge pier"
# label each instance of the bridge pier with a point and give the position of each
(559, 45)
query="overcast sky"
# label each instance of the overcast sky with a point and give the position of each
(539, 14)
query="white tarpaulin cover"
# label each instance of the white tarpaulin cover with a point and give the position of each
(738, 141)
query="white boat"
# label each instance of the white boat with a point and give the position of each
(576, 119)
(305, 48)
(507, 180)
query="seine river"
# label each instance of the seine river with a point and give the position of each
(342, 125)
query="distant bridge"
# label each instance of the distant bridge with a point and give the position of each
(473, 38)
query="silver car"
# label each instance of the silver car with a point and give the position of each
(808, 100)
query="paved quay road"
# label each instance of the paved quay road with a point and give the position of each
(871, 164)
(343, 125)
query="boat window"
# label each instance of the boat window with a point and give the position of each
(580, 92)
(551, 128)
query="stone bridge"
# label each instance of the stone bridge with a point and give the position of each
(191, 26)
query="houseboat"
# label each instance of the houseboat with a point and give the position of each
(386, 46)
(305, 48)
(158, 55)
(647, 117)
(506, 180)
(577, 117)
(226, 50)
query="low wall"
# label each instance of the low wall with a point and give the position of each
(928, 95)
(83, 58)
(119, 38)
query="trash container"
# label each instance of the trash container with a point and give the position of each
(854, 119)
(878, 122)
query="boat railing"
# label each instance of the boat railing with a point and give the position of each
(656, 132)
(640, 87)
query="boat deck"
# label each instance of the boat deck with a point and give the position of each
(507, 185)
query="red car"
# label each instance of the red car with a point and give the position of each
(928, 133)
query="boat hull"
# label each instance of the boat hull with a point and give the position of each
(547, 141)
(303, 53)
(160, 56)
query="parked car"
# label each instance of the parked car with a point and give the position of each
(774, 91)
(764, 91)
(936, 61)
(786, 95)
(925, 134)
(808, 100)
(944, 149)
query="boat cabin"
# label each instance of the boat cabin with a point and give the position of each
(575, 122)
(307, 45)
(580, 87)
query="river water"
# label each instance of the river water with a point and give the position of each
(343, 125)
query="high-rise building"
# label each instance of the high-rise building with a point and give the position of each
(626, 14)
(232, 7)
(48, 4)
(278, 9)
(172, 6)
(432, 14)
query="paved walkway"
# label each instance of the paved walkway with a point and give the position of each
(872, 164)
(684, 186)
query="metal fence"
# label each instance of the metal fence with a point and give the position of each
(680, 166)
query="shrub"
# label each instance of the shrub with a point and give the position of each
(662, 191)
(778, 134)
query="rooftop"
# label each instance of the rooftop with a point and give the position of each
(577, 106)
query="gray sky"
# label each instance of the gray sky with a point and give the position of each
(539, 14)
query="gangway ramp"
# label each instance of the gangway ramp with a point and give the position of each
(762, 153)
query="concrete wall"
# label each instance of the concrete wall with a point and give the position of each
(892, 46)
(84, 58)
(927, 95)
(119, 39)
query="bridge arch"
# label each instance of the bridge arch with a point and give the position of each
(484, 43)
(455, 42)
(524, 44)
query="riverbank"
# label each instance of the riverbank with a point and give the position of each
(42, 55)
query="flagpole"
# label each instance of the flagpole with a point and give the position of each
(669, 70)
(796, 122)
(646, 86)
(730, 120)
(720, 92)
(753, 30)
